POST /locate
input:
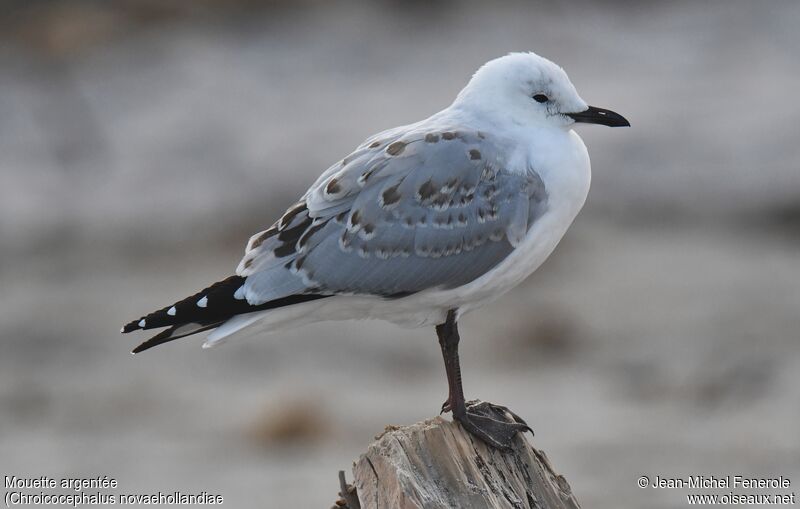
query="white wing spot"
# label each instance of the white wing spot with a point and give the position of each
(202, 302)
(142, 323)
(171, 311)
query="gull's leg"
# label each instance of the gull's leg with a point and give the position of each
(484, 420)
(448, 341)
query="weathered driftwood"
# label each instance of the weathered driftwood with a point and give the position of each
(436, 464)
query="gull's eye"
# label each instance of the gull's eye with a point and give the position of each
(540, 98)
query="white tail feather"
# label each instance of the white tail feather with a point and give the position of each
(267, 321)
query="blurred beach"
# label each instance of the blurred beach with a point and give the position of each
(143, 142)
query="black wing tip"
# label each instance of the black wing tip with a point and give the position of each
(173, 333)
(190, 310)
(220, 304)
(161, 337)
(141, 348)
(130, 327)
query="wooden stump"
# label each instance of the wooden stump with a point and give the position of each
(435, 464)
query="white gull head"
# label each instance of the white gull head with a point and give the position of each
(528, 90)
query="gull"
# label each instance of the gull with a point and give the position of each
(419, 225)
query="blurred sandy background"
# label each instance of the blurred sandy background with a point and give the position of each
(142, 142)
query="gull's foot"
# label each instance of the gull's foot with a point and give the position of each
(496, 411)
(493, 424)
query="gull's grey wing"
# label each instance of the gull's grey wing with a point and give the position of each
(407, 211)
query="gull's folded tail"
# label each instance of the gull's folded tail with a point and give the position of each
(205, 310)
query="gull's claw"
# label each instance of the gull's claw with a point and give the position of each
(445, 407)
(493, 424)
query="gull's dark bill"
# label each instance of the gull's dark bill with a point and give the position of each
(595, 115)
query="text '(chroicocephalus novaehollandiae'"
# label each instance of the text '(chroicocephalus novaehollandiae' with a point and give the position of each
(419, 225)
